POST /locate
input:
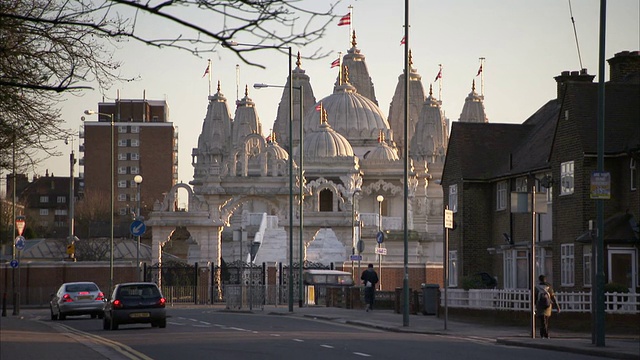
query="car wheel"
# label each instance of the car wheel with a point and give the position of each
(106, 324)
(62, 316)
(163, 323)
(93, 316)
(54, 317)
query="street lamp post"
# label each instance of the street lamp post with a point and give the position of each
(290, 280)
(301, 177)
(72, 162)
(380, 199)
(353, 231)
(138, 180)
(91, 112)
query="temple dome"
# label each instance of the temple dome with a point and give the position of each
(324, 142)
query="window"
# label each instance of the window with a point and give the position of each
(123, 211)
(135, 156)
(61, 199)
(61, 212)
(135, 142)
(44, 199)
(135, 170)
(122, 142)
(453, 197)
(634, 174)
(521, 184)
(566, 265)
(122, 170)
(326, 200)
(44, 212)
(566, 178)
(586, 265)
(453, 268)
(135, 129)
(122, 156)
(501, 195)
(522, 269)
(122, 183)
(122, 129)
(122, 197)
(132, 183)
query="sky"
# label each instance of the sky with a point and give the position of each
(524, 43)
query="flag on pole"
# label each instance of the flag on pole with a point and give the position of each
(479, 70)
(335, 63)
(206, 71)
(403, 41)
(439, 76)
(345, 20)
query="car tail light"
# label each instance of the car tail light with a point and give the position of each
(117, 303)
(67, 298)
(100, 296)
(161, 302)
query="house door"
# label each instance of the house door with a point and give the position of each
(622, 267)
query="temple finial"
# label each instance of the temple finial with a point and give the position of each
(345, 74)
(218, 85)
(298, 63)
(430, 90)
(353, 39)
(246, 90)
(410, 59)
(473, 86)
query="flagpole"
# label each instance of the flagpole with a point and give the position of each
(340, 66)
(237, 82)
(440, 83)
(482, 77)
(350, 23)
(209, 68)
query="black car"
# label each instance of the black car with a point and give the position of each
(135, 303)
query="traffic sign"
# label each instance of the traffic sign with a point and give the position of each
(14, 263)
(448, 219)
(380, 237)
(20, 243)
(137, 228)
(360, 246)
(71, 249)
(381, 251)
(355, 257)
(20, 224)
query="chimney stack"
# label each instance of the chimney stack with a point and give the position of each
(625, 67)
(571, 76)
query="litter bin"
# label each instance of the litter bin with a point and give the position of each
(430, 299)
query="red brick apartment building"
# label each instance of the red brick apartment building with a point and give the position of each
(145, 143)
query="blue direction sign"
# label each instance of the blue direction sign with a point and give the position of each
(14, 263)
(137, 228)
(20, 242)
(355, 257)
(380, 237)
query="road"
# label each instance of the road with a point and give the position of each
(210, 334)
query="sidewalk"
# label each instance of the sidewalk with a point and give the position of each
(627, 347)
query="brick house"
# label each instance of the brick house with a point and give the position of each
(555, 150)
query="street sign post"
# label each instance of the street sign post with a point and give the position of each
(14, 263)
(381, 251)
(380, 237)
(355, 257)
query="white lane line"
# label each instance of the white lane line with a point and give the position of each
(327, 346)
(361, 354)
(298, 340)
(175, 323)
(204, 322)
(276, 335)
(201, 326)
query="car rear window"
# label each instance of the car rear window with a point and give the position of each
(81, 287)
(139, 291)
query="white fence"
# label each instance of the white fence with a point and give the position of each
(500, 299)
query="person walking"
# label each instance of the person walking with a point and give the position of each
(545, 302)
(369, 280)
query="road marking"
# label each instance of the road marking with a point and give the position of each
(361, 354)
(327, 346)
(298, 340)
(123, 349)
(276, 335)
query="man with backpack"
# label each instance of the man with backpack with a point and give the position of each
(369, 280)
(545, 302)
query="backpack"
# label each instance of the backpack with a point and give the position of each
(544, 299)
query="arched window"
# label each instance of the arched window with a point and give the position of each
(326, 200)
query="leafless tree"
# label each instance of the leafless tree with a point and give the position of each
(51, 47)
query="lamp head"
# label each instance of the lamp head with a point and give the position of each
(380, 198)
(138, 179)
(89, 112)
(260, 86)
